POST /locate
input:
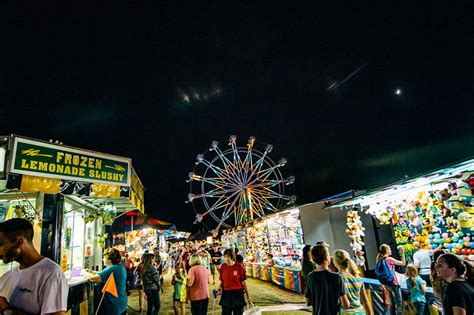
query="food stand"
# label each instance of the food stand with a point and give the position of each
(70, 195)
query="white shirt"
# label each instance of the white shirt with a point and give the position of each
(423, 258)
(39, 289)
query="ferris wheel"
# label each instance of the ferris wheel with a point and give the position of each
(238, 184)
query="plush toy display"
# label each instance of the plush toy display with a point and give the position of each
(442, 217)
(355, 230)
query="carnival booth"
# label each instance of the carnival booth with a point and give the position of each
(436, 210)
(136, 232)
(273, 248)
(70, 195)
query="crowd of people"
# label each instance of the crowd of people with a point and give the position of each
(334, 284)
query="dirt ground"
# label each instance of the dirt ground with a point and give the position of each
(263, 294)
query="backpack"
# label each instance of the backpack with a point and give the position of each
(383, 272)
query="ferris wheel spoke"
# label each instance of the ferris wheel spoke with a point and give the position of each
(270, 183)
(228, 166)
(217, 182)
(221, 203)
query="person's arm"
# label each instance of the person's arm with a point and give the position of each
(365, 301)
(459, 310)
(244, 286)
(94, 276)
(345, 301)
(422, 285)
(398, 262)
(190, 281)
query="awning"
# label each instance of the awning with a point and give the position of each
(135, 220)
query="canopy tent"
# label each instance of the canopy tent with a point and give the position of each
(134, 220)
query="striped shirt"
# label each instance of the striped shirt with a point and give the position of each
(353, 286)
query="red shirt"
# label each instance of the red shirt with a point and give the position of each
(232, 276)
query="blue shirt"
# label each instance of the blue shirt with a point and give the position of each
(111, 304)
(416, 295)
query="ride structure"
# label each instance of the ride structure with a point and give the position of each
(238, 184)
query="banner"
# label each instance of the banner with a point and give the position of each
(37, 158)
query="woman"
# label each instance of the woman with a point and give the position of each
(308, 264)
(353, 284)
(439, 284)
(233, 285)
(459, 299)
(394, 289)
(111, 304)
(151, 283)
(197, 284)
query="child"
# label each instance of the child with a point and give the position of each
(417, 289)
(354, 285)
(325, 290)
(178, 278)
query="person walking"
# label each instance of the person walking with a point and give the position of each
(216, 257)
(151, 283)
(459, 298)
(112, 262)
(179, 278)
(417, 287)
(393, 288)
(353, 284)
(38, 284)
(325, 290)
(233, 286)
(198, 287)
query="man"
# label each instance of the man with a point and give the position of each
(38, 285)
(422, 261)
(216, 257)
(325, 289)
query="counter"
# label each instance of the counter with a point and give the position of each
(80, 300)
(285, 277)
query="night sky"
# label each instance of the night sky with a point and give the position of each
(123, 79)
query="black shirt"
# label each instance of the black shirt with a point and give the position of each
(323, 290)
(459, 293)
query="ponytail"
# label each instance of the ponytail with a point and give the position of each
(469, 274)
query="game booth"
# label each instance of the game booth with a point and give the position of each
(436, 210)
(70, 195)
(136, 232)
(272, 248)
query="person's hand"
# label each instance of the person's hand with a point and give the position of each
(401, 248)
(249, 299)
(3, 304)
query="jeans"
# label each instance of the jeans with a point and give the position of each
(395, 298)
(199, 307)
(420, 308)
(153, 301)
